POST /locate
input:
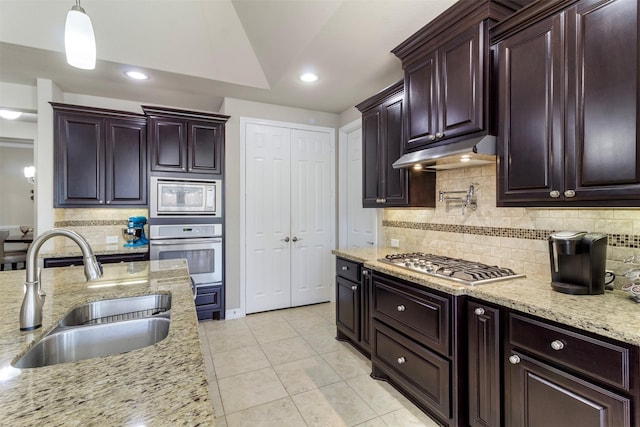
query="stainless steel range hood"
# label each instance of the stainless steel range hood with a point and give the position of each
(471, 152)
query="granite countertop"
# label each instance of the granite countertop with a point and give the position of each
(611, 315)
(110, 249)
(162, 384)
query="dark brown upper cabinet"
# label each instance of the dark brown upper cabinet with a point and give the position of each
(382, 139)
(446, 68)
(100, 157)
(185, 142)
(568, 105)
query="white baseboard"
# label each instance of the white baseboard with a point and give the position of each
(234, 313)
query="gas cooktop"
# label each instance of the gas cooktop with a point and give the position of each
(459, 270)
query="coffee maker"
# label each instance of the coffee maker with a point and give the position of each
(134, 233)
(578, 262)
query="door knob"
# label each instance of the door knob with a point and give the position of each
(295, 239)
(286, 239)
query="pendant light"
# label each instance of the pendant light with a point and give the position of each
(79, 41)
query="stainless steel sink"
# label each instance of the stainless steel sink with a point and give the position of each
(118, 309)
(84, 342)
(102, 328)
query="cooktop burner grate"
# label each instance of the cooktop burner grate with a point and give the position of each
(459, 270)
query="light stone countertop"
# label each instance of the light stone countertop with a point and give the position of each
(160, 385)
(613, 315)
(105, 249)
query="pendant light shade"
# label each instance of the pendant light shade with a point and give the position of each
(79, 41)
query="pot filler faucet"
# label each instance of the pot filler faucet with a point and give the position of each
(31, 310)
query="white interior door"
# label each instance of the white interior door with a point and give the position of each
(312, 195)
(361, 223)
(267, 204)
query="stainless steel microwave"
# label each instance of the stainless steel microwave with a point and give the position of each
(184, 197)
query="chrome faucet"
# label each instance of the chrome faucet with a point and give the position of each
(31, 310)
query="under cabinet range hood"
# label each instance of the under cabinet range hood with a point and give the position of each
(471, 152)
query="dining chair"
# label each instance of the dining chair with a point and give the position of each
(12, 257)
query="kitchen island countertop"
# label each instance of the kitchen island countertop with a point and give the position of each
(611, 315)
(162, 384)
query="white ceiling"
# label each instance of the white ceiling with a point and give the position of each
(199, 51)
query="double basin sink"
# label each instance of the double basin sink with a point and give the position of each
(102, 328)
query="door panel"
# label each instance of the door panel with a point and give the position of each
(311, 202)
(371, 140)
(361, 223)
(267, 193)
(604, 99)
(530, 163)
(126, 162)
(421, 95)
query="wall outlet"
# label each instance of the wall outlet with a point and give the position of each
(112, 239)
(395, 243)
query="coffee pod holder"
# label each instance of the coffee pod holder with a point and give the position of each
(633, 275)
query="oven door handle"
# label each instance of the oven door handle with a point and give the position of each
(183, 241)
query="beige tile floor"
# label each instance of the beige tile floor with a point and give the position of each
(285, 368)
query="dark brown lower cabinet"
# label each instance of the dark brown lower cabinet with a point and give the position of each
(543, 396)
(483, 347)
(352, 304)
(416, 345)
(556, 376)
(103, 259)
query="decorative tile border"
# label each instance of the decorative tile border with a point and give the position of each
(618, 240)
(90, 223)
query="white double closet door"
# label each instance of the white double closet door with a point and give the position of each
(289, 216)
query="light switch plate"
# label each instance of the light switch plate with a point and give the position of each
(112, 239)
(395, 243)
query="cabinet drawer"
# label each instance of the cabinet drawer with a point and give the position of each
(348, 269)
(598, 359)
(421, 315)
(424, 374)
(209, 296)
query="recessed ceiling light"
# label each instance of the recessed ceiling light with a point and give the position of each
(10, 115)
(137, 75)
(308, 77)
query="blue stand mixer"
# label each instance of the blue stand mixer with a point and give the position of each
(134, 233)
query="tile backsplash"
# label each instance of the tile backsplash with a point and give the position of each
(510, 237)
(95, 224)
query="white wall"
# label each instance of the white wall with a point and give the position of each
(16, 206)
(237, 108)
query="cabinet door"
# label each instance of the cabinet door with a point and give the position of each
(371, 163)
(603, 151)
(205, 147)
(530, 136)
(484, 365)
(539, 395)
(348, 308)
(168, 143)
(461, 82)
(126, 162)
(421, 92)
(79, 160)
(393, 183)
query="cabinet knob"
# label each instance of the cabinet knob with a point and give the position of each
(432, 137)
(381, 200)
(108, 202)
(555, 194)
(344, 267)
(479, 311)
(354, 288)
(401, 307)
(401, 360)
(569, 193)
(365, 273)
(514, 360)
(557, 345)
(439, 135)
(100, 201)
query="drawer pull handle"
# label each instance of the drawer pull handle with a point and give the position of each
(479, 311)
(401, 360)
(514, 360)
(354, 288)
(557, 345)
(401, 307)
(345, 268)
